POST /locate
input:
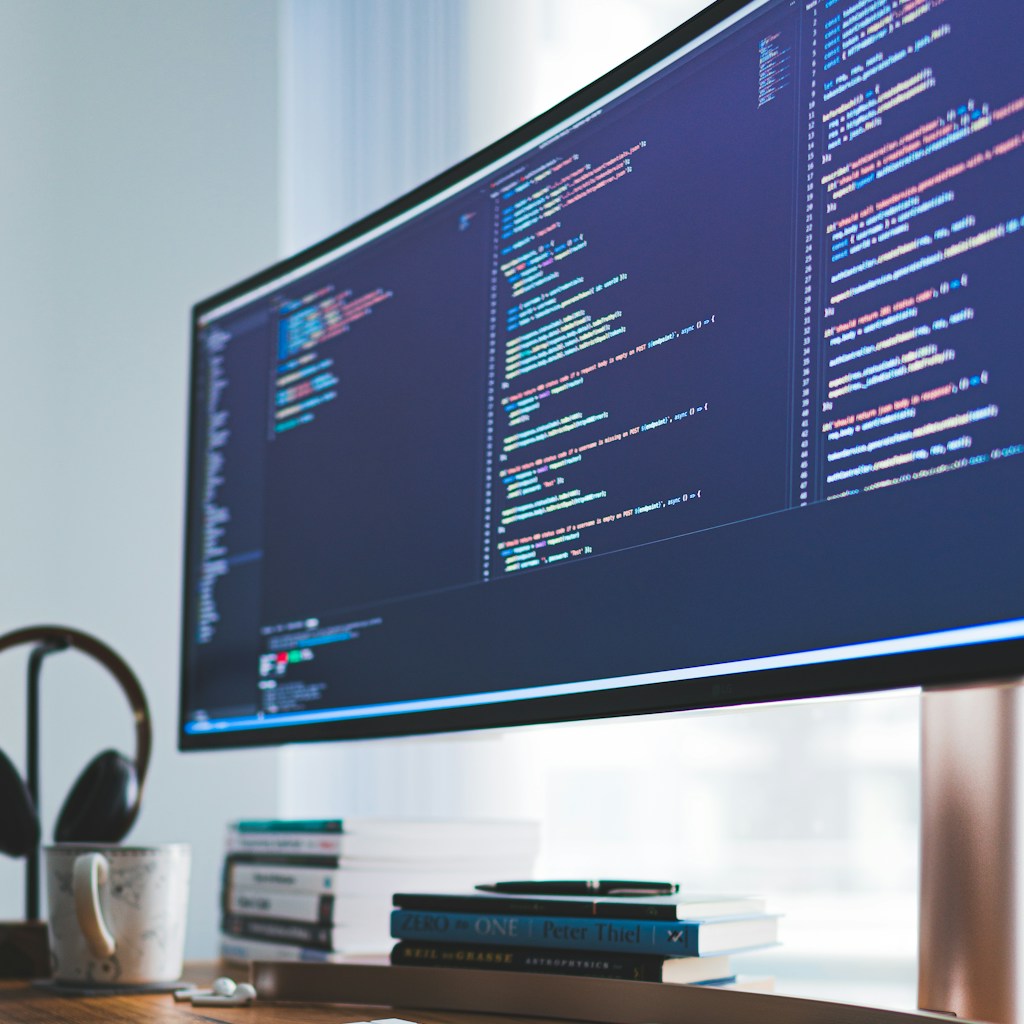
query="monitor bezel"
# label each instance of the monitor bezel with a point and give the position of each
(992, 660)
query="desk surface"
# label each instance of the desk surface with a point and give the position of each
(23, 1003)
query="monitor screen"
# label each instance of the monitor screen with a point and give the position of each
(705, 387)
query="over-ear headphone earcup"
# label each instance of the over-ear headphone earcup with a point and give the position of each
(98, 808)
(19, 823)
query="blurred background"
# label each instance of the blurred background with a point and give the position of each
(157, 152)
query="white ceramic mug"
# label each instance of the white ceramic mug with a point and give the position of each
(117, 913)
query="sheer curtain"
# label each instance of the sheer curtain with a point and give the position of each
(814, 805)
(379, 95)
(374, 102)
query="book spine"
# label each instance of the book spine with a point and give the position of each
(668, 938)
(245, 950)
(292, 933)
(299, 860)
(280, 878)
(276, 843)
(311, 908)
(322, 825)
(582, 963)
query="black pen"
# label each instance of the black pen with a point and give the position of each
(583, 887)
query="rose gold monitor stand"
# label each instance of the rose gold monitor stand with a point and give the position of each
(971, 854)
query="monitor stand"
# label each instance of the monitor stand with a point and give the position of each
(972, 852)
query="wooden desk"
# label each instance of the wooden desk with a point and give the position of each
(20, 1004)
(23, 1003)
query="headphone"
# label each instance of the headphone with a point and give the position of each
(104, 801)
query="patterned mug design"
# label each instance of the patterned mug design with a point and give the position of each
(117, 914)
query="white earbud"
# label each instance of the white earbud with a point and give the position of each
(230, 994)
(223, 993)
(224, 987)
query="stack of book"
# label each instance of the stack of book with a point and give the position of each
(679, 939)
(321, 889)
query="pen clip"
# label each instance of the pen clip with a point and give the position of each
(632, 888)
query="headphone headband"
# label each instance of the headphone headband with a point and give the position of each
(63, 636)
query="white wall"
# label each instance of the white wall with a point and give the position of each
(139, 174)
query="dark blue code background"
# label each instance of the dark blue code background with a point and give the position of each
(730, 368)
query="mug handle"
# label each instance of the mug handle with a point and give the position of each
(92, 870)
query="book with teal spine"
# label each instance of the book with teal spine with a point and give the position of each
(708, 937)
(328, 826)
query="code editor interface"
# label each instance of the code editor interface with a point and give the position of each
(728, 366)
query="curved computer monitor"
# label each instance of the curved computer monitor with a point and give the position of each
(703, 388)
